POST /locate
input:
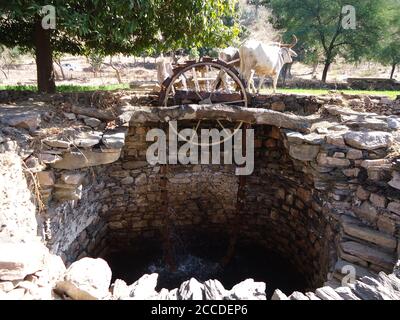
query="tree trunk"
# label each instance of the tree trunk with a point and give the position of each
(117, 72)
(314, 71)
(56, 74)
(393, 70)
(44, 60)
(5, 74)
(326, 70)
(59, 64)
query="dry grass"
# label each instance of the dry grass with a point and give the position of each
(35, 189)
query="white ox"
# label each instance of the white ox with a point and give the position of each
(264, 60)
(165, 70)
(231, 56)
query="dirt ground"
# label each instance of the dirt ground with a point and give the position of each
(78, 71)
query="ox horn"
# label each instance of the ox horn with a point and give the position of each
(278, 39)
(290, 46)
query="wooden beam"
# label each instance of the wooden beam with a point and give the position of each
(220, 112)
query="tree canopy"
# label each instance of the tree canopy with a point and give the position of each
(325, 26)
(389, 50)
(115, 26)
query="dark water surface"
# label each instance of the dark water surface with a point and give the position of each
(202, 262)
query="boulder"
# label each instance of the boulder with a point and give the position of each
(367, 212)
(393, 124)
(368, 123)
(163, 295)
(47, 158)
(191, 290)
(368, 289)
(396, 270)
(279, 295)
(16, 294)
(354, 154)
(368, 140)
(327, 293)
(72, 178)
(17, 260)
(127, 180)
(33, 164)
(173, 295)
(335, 139)
(378, 201)
(67, 193)
(120, 290)
(144, 288)
(372, 164)
(346, 293)
(55, 270)
(395, 182)
(369, 254)
(114, 140)
(298, 296)
(394, 207)
(325, 161)
(386, 224)
(130, 165)
(248, 290)
(57, 143)
(46, 178)
(17, 210)
(370, 235)
(391, 283)
(87, 139)
(92, 122)
(304, 152)
(362, 194)
(214, 290)
(69, 116)
(84, 159)
(312, 296)
(299, 138)
(90, 275)
(6, 286)
(30, 121)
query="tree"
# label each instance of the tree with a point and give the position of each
(57, 59)
(111, 27)
(7, 58)
(389, 51)
(326, 26)
(96, 61)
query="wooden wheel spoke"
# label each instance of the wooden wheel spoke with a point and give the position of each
(208, 82)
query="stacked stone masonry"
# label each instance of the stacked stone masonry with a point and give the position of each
(326, 196)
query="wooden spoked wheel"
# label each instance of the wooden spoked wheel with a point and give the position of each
(207, 82)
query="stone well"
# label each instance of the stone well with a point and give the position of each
(324, 193)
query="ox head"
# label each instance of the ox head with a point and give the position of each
(287, 51)
(288, 55)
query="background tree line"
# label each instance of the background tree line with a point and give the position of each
(150, 27)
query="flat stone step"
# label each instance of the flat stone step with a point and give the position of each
(370, 235)
(369, 254)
